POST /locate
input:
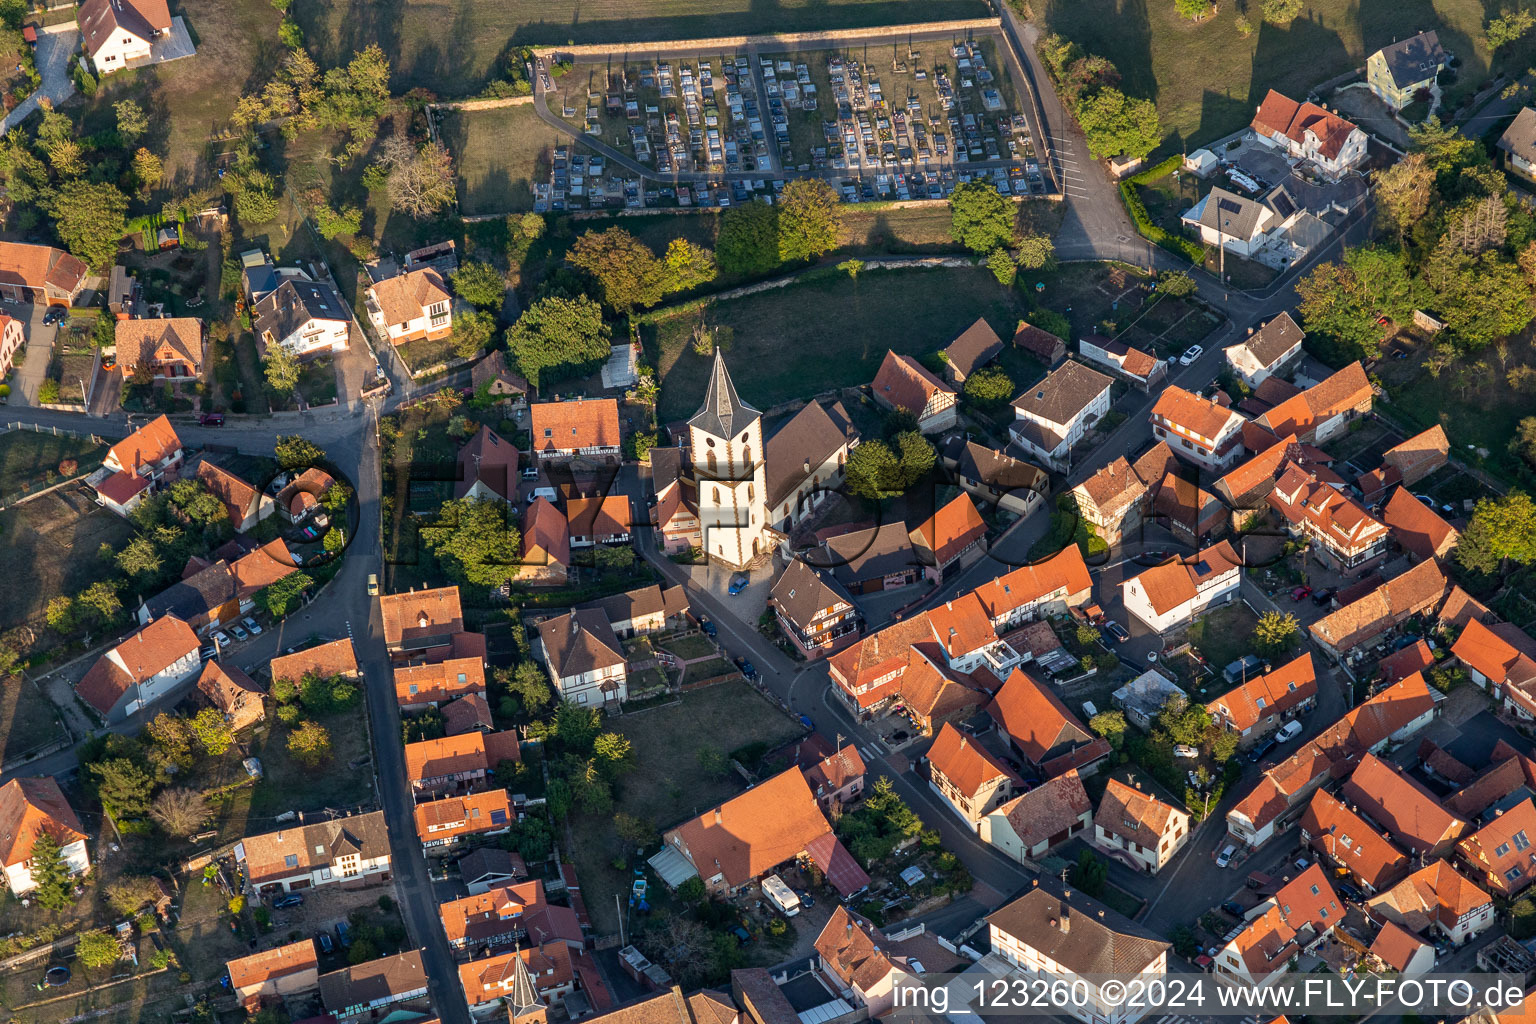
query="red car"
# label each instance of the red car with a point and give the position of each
(211, 419)
(1301, 592)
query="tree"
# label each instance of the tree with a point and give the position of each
(332, 223)
(1090, 873)
(614, 753)
(213, 732)
(1003, 267)
(1501, 529)
(1184, 721)
(688, 266)
(12, 12)
(979, 218)
(50, 874)
(917, 456)
(988, 386)
(139, 557)
(279, 597)
(749, 239)
(637, 833)
(1522, 444)
(295, 452)
(1445, 149)
(873, 471)
(810, 217)
(147, 171)
(626, 270)
(1191, 9)
(474, 544)
(576, 726)
(130, 893)
(480, 284)
(171, 737)
(528, 684)
(713, 762)
(310, 744)
(558, 337)
(1037, 252)
(255, 200)
(1175, 284)
(1114, 124)
(181, 812)
(1281, 12)
(1509, 26)
(335, 540)
(472, 333)
(97, 950)
(61, 609)
(90, 218)
(1275, 632)
(1110, 725)
(420, 179)
(1345, 301)
(100, 598)
(122, 787)
(1483, 297)
(1403, 192)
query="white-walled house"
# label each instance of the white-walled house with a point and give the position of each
(1197, 429)
(584, 657)
(902, 384)
(1298, 917)
(305, 317)
(1308, 132)
(1241, 225)
(1176, 591)
(120, 33)
(1030, 825)
(148, 665)
(1138, 827)
(414, 306)
(351, 852)
(1437, 897)
(12, 338)
(29, 806)
(1266, 350)
(1051, 417)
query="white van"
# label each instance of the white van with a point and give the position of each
(781, 896)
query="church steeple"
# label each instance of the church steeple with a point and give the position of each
(723, 413)
(524, 1006)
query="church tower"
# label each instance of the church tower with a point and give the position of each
(726, 436)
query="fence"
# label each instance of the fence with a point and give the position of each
(87, 466)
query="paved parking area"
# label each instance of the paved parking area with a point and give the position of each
(39, 348)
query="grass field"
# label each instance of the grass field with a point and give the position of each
(28, 720)
(1207, 79)
(826, 333)
(53, 547)
(27, 458)
(499, 154)
(453, 46)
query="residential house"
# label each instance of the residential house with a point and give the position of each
(361, 990)
(1402, 807)
(1501, 659)
(1051, 586)
(1051, 931)
(1396, 950)
(506, 914)
(1266, 351)
(1137, 827)
(1436, 899)
(148, 457)
(1258, 705)
(233, 694)
(1242, 226)
(1141, 369)
(1343, 838)
(546, 550)
(1342, 535)
(872, 560)
(424, 625)
(1143, 698)
(1197, 429)
(584, 658)
(119, 34)
(994, 478)
(1498, 855)
(1511, 774)
(865, 968)
(492, 375)
(805, 459)
(970, 780)
(152, 663)
(1118, 497)
(1042, 344)
(545, 971)
(593, 521)
(1518, 144)
(751, 834)
(1308, 132)
(490, 867)
(13, 336)
(211, 594)
(259, 276)
(413, 306)
(564, 430)
(837, 778)
(246, 505)
(976, 346)
(1246, 489)
(302, 316)
(1325, 409)
(1419, 456)
(954, 538)
(172, 348)
(29, 807)
(1175, 591)
(1416, 657)
(1294, 921)
(1400, 72)
(671, 1006)
(814, 610)
(487, 468)
(469, 713)
(1054, 415)
(1030, 825)
(351, 852)
(441, 823)
(300, 497)
(40, 274)
(905, 386)
(1352, 626)
(271, 976)
(456, 764)
(675, 512)
(336, 658)
(647, 610)
(1417, 527)
(1039, 727)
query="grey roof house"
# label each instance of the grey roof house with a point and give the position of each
(1397, 72)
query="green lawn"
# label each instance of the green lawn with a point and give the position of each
(1207, 79)
(451, 48)
(28, 459)
(499, 153)
(1222, 636)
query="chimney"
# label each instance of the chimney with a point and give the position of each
(1250, 330)
(1066, 917)
(717, 815)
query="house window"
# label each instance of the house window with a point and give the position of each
(1314, 892)
(1501, 850)
(1513, 873)
(292, 860)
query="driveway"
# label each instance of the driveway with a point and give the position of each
(39, 348)
(54, 46)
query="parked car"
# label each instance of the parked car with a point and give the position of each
(1349, 892)
(1185, 750)
(707, 626)
(292, 899)
(747, 668)
(251, 625)
(239, 631)
(1300, 592)
(1258, 752)
(1225, 856)
(252, 767)
(805, 898)
(1119, 632)
(1289, 731)
(373, 584)
(738, 584)
(1233, 907)
(1323, 596)
(310, 532)
(211, 419)
(221, 638)
(56, 315)
(323, 940)
(209, 653)
(1190, 355)
(343, 935)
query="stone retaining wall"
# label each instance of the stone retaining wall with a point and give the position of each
(812, 40)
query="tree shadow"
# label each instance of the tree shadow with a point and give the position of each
(1120, 30)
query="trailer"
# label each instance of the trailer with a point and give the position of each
(781, 896)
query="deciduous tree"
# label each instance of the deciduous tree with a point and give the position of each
(626, 270)
(1115, 124)
(90, 218)
(123, 788)
(979, 218)
(749, 239)
(1281, 12)
(873, 471)
(181, 812)
(988, 386)
(310, 744)
(295, 452)
(481, 284)
(475, 544)
(1275, 632)
(557, 337)
(688, 265)
(809, 219)
(97, 950)
(472, 332)
(1403, 193)
(147, 171)
(1037, 252)
(421, 179)
(281, 597)
(213, 732)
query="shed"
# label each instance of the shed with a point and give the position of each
(1201, 162)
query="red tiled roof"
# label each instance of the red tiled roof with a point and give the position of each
(1401, 806)
(963, 762)
(154, 441)
(270, 964)
(1418, 527)
(29, 806)
(566, 426)
(1039, 724)
(952, 529)
(903, 383)
(1268, 695)
(1198, 415)
(1337, 832)
(1279, 114)
(1502, 847)
(1346, 389)
(751, 834)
